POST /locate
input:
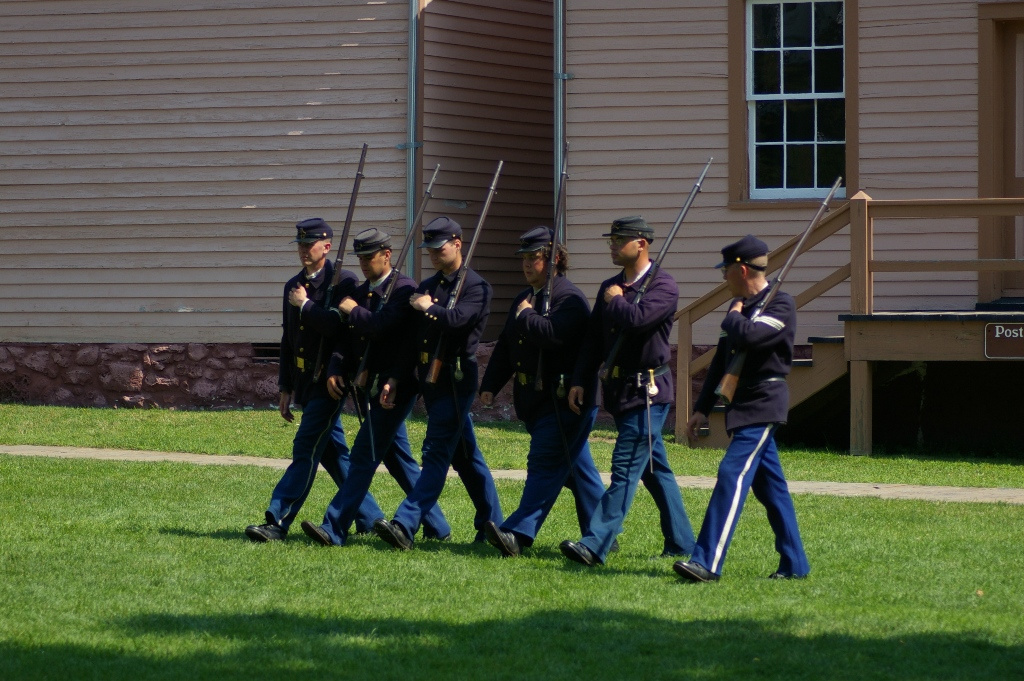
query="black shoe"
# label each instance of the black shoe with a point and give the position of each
(784, 575)
(579, 553)
(695, 572)
(506, 542)
(614, 548)
(266, 532)
(316, 533)
(393, 534)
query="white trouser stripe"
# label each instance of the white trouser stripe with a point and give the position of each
(730, 519)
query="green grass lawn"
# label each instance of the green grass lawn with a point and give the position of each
(122, 570)
(265, 433)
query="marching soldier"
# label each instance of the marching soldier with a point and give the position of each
(559, 454)
(453, 334)
(760, 404)
(637, 391)
(310, 331)
(375, 336)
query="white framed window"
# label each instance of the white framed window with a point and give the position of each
(796, 102)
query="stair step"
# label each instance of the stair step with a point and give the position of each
(825, 339)
(803, 362)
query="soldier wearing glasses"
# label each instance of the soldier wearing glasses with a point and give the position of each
(761, 403)
(559, 454)
(637, 392)
(374, 336)
(311, 329)
(450, 440)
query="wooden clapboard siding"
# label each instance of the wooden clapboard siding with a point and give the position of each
(487, 96)
(648, 105)
(157, 157)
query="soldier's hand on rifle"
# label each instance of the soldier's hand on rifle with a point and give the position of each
(576, 398)
(523, 306)
(347, 305)
(387, 393)
(611, 292)
(487, 399)
(421, 301)
(336, 386)
(297, 296)
(737, 305)
(284, 405)
(693, 426)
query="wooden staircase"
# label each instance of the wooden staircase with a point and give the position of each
(809, 376)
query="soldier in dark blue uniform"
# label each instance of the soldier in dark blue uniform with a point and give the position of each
(310, 331)
(547, 342)
(760, 404)
(637, 392)
(375, 336)
(452, 335)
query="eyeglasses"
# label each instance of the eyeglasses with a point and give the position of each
(620, 241)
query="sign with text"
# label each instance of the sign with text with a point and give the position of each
(1004, 341)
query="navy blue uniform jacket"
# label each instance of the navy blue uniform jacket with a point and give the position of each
(303, 332)
(382, 334)
(460, 327)
(558, 335)
(768, 340)
(646, 326)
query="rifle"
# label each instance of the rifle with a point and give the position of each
(389, 288)
(730, 381)
(339, 258)
(649, 277)
(559, 238)
(435, 363)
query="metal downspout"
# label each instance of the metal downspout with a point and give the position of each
(560, 77)
(412, 127)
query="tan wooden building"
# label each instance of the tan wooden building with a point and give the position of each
(154, 159)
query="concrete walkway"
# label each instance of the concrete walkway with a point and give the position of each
(840, 489)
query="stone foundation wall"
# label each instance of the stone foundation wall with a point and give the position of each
(169, 376)
(177, 376)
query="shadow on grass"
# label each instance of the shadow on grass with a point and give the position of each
(594, 643)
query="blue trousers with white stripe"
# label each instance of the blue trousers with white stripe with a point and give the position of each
(751, 463)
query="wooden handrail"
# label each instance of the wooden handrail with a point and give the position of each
(858, 213)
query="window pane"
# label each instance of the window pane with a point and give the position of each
(766, 73)
(796, 24)
(796, 67)
(831, 120)
(828, 23)
(800, 120)
(767, 27)
(828, 70)
(799, 166)
(769, 167)
(831, 164)
(768, 124)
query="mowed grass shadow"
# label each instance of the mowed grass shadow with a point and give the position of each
(591, 643)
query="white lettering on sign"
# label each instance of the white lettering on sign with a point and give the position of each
(1004, 332)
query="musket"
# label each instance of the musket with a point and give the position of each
(609, 362)
(435, 363)
(389, 287)
(559, 238)
(338, 259)
(727, 386)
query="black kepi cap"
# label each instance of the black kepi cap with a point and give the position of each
(633, 227)
(536, 239)
(312, 230)
(440, 231)
(370, 241)
(744, 250)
